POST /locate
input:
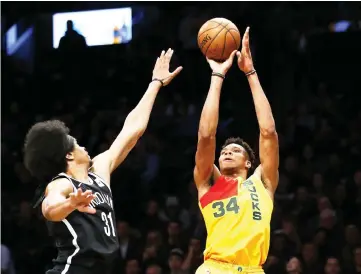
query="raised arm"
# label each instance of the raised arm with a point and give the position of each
(206, 147)
(268, 141)
(137, 120)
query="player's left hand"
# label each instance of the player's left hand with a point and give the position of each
(222, 67)
(161, 68)
(244, 58)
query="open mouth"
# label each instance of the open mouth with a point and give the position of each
(228, 160)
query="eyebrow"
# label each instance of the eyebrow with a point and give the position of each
(233, 147)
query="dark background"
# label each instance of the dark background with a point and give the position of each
(310, 75)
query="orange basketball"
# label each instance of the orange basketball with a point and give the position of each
(217, 38)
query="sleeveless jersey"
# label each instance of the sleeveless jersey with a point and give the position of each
(237, 214)
(85, 240)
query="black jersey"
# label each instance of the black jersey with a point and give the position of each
(86, 243)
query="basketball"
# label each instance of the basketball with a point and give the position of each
(218, 38)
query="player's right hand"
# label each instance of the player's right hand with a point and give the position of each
(222, 67)
(81, 201)
(161, 68)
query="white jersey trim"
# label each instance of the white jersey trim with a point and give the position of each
(66, 176)
(75, 243)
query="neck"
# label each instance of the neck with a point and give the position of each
(78, 172)
(235, 173)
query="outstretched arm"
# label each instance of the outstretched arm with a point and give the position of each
(137, 120)
(206, 147)
(60, 200)
(268, 141)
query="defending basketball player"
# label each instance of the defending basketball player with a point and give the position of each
(78, 204)
(236, 205)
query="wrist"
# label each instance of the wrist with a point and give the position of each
(250, 72)
(218, 75)
(69, 205)
(156, 83)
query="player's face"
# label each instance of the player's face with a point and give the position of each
(79, 154)
(233, 157)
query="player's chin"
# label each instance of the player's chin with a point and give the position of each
(228, 168)
(229, 164)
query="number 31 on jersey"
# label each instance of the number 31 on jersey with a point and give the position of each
(109, 226)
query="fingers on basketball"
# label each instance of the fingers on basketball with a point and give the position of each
(231, 57)
(218, 38)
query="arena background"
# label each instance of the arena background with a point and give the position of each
(308, 59)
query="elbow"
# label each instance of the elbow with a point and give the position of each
(206, 133)
(206, 136)
(269, 132)
(49, 215)
(135, 126)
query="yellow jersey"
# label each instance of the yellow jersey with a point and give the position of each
(237, 214)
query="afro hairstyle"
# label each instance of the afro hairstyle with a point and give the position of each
(46, 146)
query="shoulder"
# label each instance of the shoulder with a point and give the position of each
(258, 173)
(203, 186)
(61, 184)
(101, 166)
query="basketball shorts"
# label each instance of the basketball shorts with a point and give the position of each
(216, 267)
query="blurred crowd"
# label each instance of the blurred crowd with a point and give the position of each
(317, 215)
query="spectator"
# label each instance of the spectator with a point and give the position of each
(72, 41)
(132, 267)
(173, 211)
(153, 269)
(355, 268)
(332, 266)
(352, 237)
(7, 264)
(294, 266)
(311, 263)
(129, 247)
(152, 220)
(176, 262)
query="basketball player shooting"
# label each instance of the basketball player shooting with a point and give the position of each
(77, 203)
(236, 207)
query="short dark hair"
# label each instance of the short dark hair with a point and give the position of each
(45, 148)
(245, 145)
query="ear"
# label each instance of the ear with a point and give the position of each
(248, 164)
(70, 156)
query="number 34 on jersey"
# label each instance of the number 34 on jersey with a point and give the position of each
(224, 207)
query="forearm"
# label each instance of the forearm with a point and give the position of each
(263, 109)
(57, 210)
(188, 261)
(138, 118)
(209, 117)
